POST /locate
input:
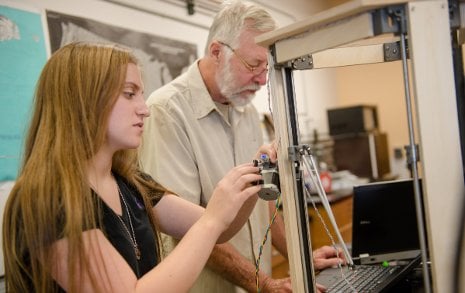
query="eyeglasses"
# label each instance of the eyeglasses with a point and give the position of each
(252, 69)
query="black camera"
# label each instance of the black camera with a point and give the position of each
(270, 182)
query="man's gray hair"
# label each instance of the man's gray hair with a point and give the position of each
(234, 17)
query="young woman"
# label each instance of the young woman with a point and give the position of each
(81, 216)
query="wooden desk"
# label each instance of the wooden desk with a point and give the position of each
(342, 210)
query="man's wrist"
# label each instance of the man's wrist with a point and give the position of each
(263, 281)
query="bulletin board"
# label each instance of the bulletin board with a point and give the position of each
(22, 56)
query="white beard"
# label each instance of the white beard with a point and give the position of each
(228, 88)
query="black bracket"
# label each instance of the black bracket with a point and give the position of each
(273, 56)
(454, 14)
(301, 63)
(392, 51)
(389, 20)
(190, 6)
(412, 154)
(296, 152)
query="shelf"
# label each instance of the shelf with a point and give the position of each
(349, 35)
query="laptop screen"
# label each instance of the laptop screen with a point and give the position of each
(384, 218)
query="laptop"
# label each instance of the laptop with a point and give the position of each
(385, 240)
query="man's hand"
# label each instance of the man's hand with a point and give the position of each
(282, 286)
(268, 149)
(269, 285)
(320, 288)
(327, 256)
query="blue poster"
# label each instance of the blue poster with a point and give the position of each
(22, 56)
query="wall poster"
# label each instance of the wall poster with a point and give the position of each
(22, 56)
(162, 59)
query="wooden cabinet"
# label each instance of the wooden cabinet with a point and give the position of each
(364, 154)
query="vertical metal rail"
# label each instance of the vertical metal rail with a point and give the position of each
(459, 71)
(413, 159)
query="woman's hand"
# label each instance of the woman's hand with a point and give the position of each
(231, 193)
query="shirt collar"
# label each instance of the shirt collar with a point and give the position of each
(202, 102)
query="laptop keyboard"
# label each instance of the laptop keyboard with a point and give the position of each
(363, 278)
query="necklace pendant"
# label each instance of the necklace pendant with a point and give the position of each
(137, 251)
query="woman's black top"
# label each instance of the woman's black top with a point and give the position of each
(118, 235)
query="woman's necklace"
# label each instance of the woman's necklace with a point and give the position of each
(133, 235)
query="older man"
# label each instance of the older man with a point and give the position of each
(201, 125)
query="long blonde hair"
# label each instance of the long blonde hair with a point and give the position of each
(51, 199)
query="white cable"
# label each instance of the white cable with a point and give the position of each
(312, 171)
